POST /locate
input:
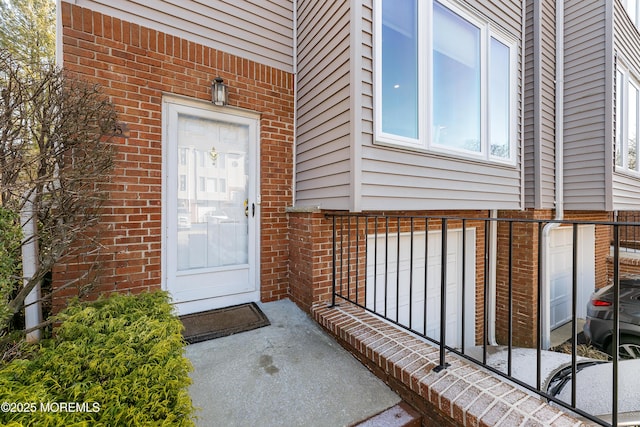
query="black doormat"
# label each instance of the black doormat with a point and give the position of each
(222, 322)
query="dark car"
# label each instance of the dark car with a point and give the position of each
(599, 326)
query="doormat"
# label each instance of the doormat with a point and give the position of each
(222, 322)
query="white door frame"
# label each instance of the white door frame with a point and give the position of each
(254, 199)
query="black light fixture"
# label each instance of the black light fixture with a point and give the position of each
(218, 92)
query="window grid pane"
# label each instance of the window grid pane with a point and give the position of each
(499, 88)
(619, 116)
(456, 81)
(632, 119)
(400, 68)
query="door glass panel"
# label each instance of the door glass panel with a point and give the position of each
(212, 193)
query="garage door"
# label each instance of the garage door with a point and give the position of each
(561, 272)
(396, 286)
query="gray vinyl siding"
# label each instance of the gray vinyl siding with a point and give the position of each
(546, 183)
(323, 141)
(259, 31)
(531, 164)
(626, 187)
(401, 179)
(539, 105)
(585, 104)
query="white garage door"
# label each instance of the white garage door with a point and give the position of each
(561, 272)
(404, 298)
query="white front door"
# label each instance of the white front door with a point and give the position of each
(210, 206)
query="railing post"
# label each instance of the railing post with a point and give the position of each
(574, 313)
(443, 298)
(615, 352)
(510, 302)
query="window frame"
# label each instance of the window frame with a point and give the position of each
(425, 104)
(621, 133)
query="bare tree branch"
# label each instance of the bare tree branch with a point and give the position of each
(56, 152)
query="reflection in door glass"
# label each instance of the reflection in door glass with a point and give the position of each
(212, 193)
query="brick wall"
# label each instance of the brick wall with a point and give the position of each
(135, 66)
(523, 239)
(524, 275)
(310, 252)
(627, 266)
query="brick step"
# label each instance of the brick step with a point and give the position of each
(400, 415)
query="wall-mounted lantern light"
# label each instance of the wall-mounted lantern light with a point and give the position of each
(218, 92)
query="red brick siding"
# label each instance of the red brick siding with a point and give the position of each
(523, 239)
(628, 266)
(135, 66)
(310, 249)
(525, 261)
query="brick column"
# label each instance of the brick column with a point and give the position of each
(310, 257)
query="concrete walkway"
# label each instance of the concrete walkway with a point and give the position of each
(288, 374)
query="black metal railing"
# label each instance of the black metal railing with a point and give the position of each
(629, 236)
(490, 290)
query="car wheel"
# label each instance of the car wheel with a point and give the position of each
(629, 347)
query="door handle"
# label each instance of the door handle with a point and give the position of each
(246, 208)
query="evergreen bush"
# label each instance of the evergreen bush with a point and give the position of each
(114, 362)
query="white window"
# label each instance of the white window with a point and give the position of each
(627, 121)
(446, 80)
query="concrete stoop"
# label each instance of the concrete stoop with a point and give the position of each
(400, 415)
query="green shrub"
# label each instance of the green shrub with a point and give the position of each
(10, 253)
(115, 362)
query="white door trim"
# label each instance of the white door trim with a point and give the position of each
(254, 244)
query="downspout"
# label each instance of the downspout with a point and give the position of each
(32, 306)
(559, 175)
(295, 102)
(493, 277)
